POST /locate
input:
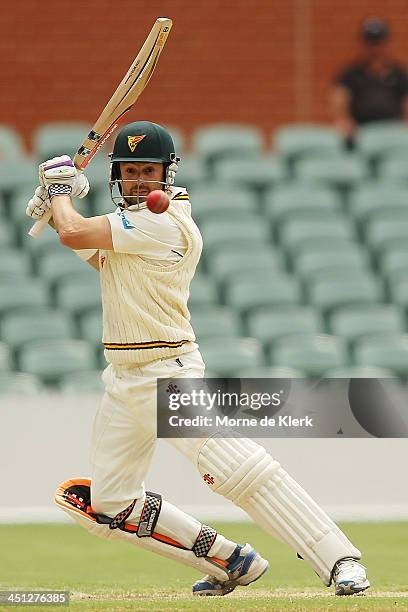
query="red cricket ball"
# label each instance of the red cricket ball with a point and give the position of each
(157, 201)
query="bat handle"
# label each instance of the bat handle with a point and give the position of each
(39, 225)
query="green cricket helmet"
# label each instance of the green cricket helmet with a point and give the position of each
(143, 141)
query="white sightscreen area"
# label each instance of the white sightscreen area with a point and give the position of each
(44, 440)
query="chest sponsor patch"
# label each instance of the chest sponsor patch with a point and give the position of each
(125, 222)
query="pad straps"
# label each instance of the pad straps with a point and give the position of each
(119, 520)
(148, 517)
(204, 541)
(150, 514)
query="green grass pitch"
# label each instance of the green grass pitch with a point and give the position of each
(114, 576)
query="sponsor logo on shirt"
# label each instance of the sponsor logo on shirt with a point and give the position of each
(125, 222)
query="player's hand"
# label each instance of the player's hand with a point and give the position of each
(59, 176)
(39, 204)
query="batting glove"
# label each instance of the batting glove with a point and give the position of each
(39, 204)
(59, 176)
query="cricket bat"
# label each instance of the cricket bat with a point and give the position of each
(125, 96)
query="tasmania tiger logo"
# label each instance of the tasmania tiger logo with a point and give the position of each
(133, 141)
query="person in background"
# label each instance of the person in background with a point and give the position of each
(372, 88)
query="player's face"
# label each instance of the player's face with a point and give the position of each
(139, 179)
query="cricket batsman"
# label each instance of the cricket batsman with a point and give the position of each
(146, 262)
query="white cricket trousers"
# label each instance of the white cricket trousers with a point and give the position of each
(124, 432)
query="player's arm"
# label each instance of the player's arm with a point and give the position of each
(76, 231)
(62, 180)
(90, 256)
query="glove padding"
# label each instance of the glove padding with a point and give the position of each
(39, 204)
(61, 171)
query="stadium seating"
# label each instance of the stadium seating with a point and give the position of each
(90, 326)
(207, 201)
(215, 141)
(394, 261)
(312, 353)
(227, 355)
(273, 289)
(257, 172)
(295, 141)
(11, 144)
(17, 383)
(102, 203)
(51, 360)
(353, 322)
(383, 234)
(269, 372)
(49, 240)
(179, 139)
(299, 242)
(215, 322)
(79, 293)
(97, 172)
(295, 234)
(192, 170)
(330, 293)
(267, 324)
(14, 262)
(89, 381)
(228, 264)
(301, 200)
(52, 138)
(203, 292)
(62, 264)
(342, 171)
(394, 169)
(22, 293)
(398, 288)
(17, 329)
(388, 351)
(322, 245)
(311, 265)
(5, 357)
(248, 231)
(18, 201)
(359, 372)
(381, 138)
(378, 196)
(21, 172)
(7, 235)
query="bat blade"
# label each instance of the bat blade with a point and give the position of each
(122, 100)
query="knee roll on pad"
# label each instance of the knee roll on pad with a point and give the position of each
(74, 497)
(243, 471)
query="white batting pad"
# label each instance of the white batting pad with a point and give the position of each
(243, 471)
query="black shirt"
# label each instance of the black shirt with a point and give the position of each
(375, 97)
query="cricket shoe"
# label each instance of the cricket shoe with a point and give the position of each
(244, 566)
(350, 577)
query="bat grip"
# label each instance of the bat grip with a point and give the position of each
(39, 225)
